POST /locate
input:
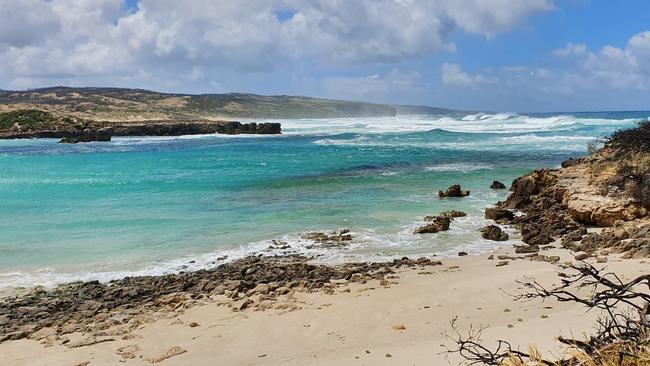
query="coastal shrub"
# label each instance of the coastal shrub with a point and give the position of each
(632, 177)
(633, 139)
(641, 188)
(36, 119)
(25, 117)
(618, 354)
(628, 171)
(594, 145)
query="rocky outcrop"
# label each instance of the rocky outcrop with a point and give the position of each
(437, 224)
(588, 207)
(629, 237)
(87, 136)
(559, 204)
(572, 162)
(497, 185)
(102, 131)
(493, 232)
(194, 128)
(453, 191)
(499, 215)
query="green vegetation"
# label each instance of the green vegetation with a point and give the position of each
(32, 120)
(29, 118)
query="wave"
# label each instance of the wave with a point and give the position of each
(498, 123)
(487, 116)
(527, 138)
(487, 142)
(369, 245)
(458, 167)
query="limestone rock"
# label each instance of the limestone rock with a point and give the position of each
(493, 232)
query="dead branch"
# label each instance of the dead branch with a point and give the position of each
(625, 319)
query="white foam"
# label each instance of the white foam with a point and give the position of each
(473, 123)
(458, 167)
(369, 245)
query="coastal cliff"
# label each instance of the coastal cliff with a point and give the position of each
(40, 124)
(594, 205)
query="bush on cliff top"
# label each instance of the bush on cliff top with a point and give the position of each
(25, 117)
(632, 161)
(36, 119)
(633, 139)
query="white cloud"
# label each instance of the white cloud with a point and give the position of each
(489, 17)
(627, 67)
(27, 22)
(41, 40)
(608, 78)
(571, 49)
(453, 75)
(373, 87)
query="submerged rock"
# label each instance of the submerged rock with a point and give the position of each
(452, 214)
(447, 214)
(497, 185)
(334, 239)
(453, 191)
(438, 224)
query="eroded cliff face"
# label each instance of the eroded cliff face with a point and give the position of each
(589, 196)
(546, 205)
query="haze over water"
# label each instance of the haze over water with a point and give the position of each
(154, 205)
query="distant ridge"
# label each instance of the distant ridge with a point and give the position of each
(122, 104)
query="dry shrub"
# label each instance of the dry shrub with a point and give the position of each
(641, 189)
(633, 139)
(618, 354)
(622, 336)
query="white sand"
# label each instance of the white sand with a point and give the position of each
(350, 328)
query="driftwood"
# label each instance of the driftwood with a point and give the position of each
(626, 319)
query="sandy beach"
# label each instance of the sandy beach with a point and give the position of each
(400, 323)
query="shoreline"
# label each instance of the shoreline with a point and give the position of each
(397, 309)
(401, 315)
(211, 261)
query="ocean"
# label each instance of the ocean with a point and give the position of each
(154, 205)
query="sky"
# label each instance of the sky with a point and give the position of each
(498, 55)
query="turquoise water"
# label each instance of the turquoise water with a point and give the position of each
(156, 205)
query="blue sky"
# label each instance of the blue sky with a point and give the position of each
(504, 55)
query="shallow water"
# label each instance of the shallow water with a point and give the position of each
(152, 205)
